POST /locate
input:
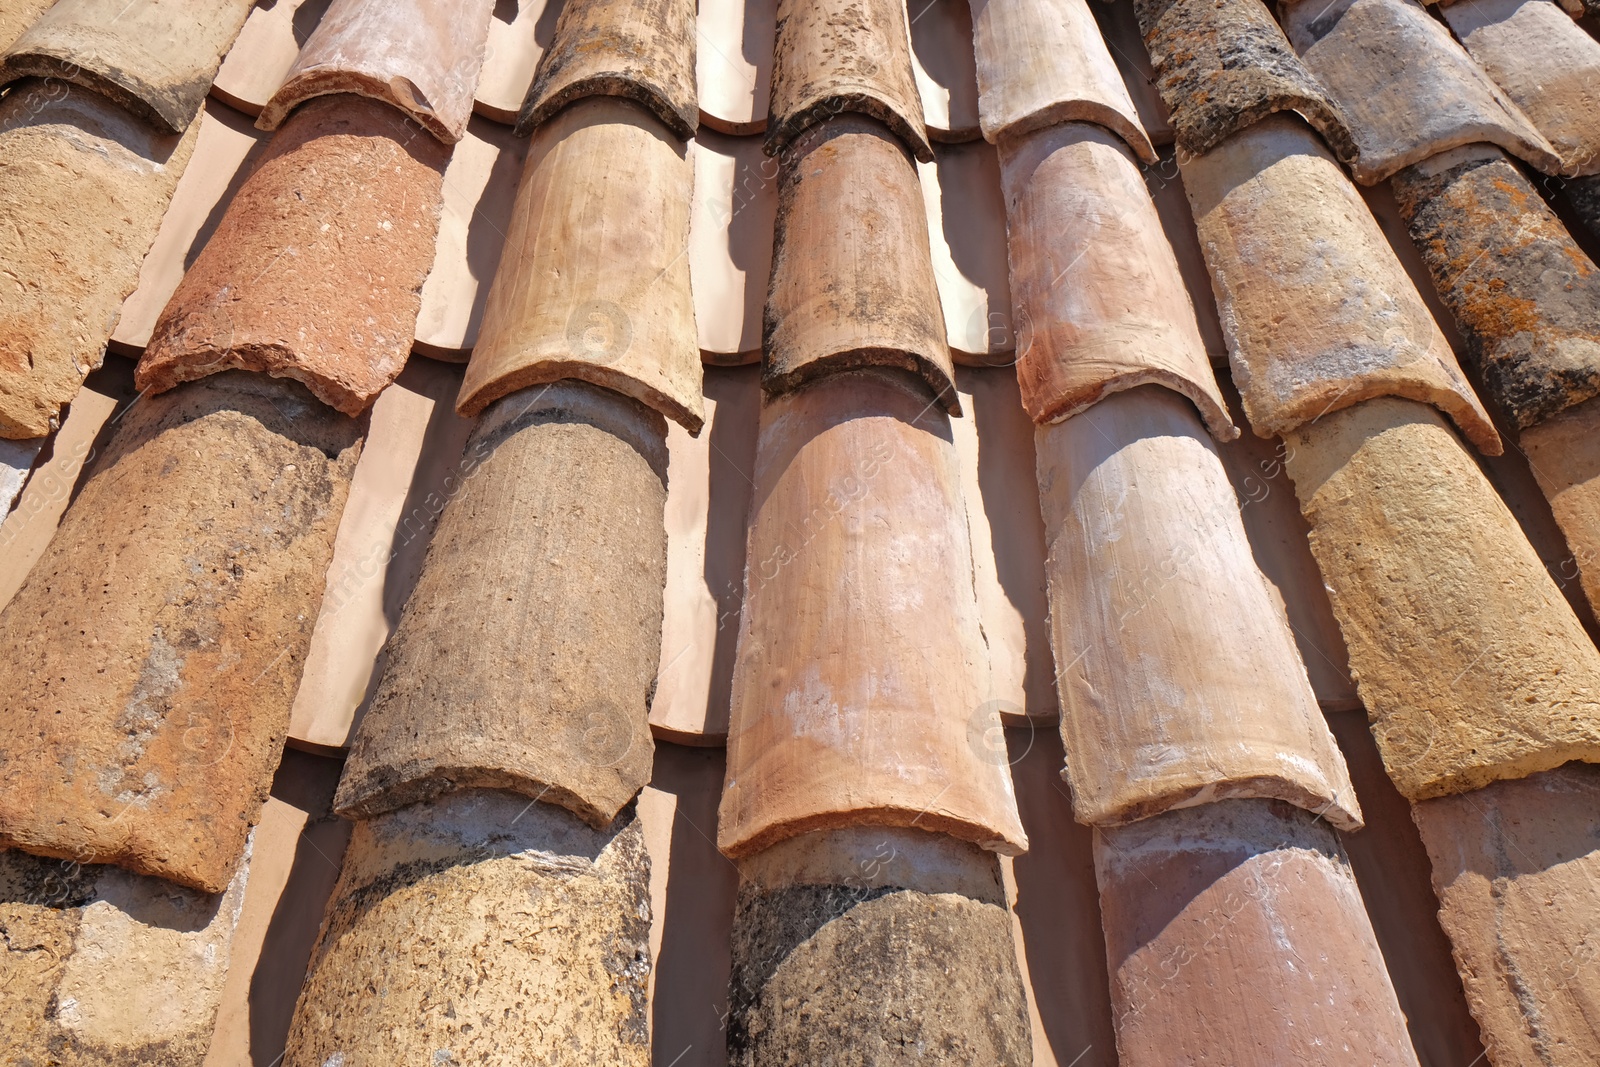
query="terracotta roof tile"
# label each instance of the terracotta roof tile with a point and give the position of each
(1561, 452)
(264, 53)
(943, 65)
(733, 63)
(966, 237)
(511, 55)
(730, 243)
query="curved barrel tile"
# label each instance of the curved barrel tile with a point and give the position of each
(315, 270)
(1317, 310)
(1043, 62)
(83, 188)
(1564, 454)
(1471, 665)
(154, 57)
(1417, 96)
(638, 50)
(1524, 295)
(18, 15)
(264, 53)
(849, 207)
(834, 56)
(594, 280)
(1162, 707)
(1547, 65)
(733, 63)
(1223, 65)
(1100, 302)
(151, 656)
(856, 692)
(511, 58)
(421, 56)
(526, 654)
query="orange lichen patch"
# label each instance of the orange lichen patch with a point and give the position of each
(1524, 295)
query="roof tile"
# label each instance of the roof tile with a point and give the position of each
(733, 63)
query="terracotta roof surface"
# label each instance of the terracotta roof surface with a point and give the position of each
(977, 532)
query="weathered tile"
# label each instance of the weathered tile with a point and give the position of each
(82, 190)
(1100, 302)
(1470, 663)
(638, 50)
(18, 15)
(1119, 28)
(942, 65)
(420, 56)
(1524, 295)
(1517, 868)
(1235, 934)
(1041, 63)
(733, 63)
(1162, 707)
(154, 57)
(1223, 65)
(264, 52)
(730, 244)
(1417, 96)
(481, 929)
(511, 55)
(1564, 454)
(594, 281)
(1318, 312)
(874, 946)
(99, 966)
(834, 56)
(526, 654)
(831, 304)
(151, 656)
(1547, 65)
(857, 696)
(967, 240)
(314, 272)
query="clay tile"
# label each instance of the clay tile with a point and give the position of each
(505, 671)
(314, 271)
(967, 238)
(85, 232)
(852, 276)
(141, 963)
(1041, 62)
(1222, 65)
(733, 63)
(946, 77)
(151, 657)
(1101, 303)
(264, 53)
(1547, 65)
(1524, 295)
(482, 907)
(1564, 455)
(834, 56)
(18, 15)
(856, 689)
(421, 56)
(638, 50)
(1471, 664)
(730, 243)
(154, 57)
(511, 56)
(594, 281)
(1317, 310)
(1235, 933)
(1161, 707)
(1417, 96)
(1516, 866)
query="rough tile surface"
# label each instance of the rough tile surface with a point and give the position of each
(849, 205)
(1101, 305)
(99, 966)
(526, 655)
(639, 50)
(1517, 868)
(856, 696)
(1235, 935)
(1547, 65)
(420, 56)
(151, 657)
(154, 57)
(82, 191)
(594, 282)
(1564, 454)
(316, 269)
(478, 929)
(1470, 663)
(1414, 97)
(1042, 63)
(18, 15)
(1524, 295)
(1317, 310)
(834, 56)
(1582, 195)
(264, 52)
(885, 947)
(1163, 704)
(1223, 65)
